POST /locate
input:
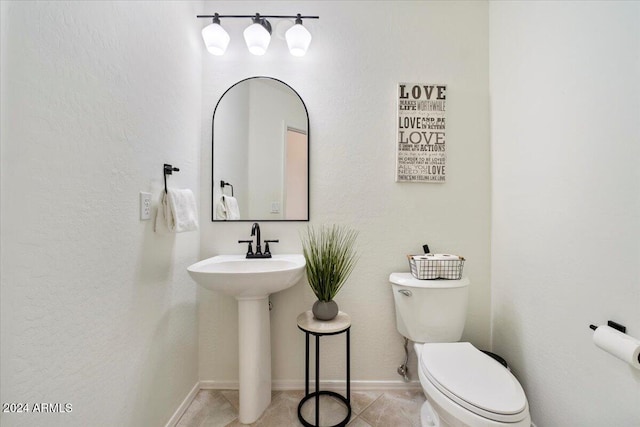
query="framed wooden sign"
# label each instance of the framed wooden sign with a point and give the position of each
(422, 128)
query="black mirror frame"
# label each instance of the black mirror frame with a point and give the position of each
(308, 156)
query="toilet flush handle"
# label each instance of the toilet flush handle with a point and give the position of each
(405, 292)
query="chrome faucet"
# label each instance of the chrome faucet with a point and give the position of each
(255, 231)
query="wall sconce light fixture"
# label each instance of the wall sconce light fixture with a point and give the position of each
(216, 39)
(257, 36)
(298, 38)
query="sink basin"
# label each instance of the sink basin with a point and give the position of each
(239, 277)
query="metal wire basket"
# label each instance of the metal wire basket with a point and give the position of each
(436, 266)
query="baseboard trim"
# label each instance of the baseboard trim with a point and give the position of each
(219, 385)
(183, 406)
(285, 385)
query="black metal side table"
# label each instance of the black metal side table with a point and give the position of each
(310, 326)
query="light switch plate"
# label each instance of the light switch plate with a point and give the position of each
(145, 206)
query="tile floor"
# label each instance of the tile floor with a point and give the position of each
(219, 408)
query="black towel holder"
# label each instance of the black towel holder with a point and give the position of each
(223, 184)
(613, 325)
(168, 170)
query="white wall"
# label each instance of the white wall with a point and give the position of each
(97, 310)
(348, 81)
(566, 203)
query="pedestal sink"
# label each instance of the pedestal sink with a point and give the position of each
(251, 281)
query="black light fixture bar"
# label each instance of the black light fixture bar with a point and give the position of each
(257, 35)
(261, 16)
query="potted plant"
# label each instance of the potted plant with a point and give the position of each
(330, 255)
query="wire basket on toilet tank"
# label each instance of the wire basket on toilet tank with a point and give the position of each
(436, 266)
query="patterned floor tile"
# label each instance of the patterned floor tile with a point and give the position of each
(398, 408)
(219, 408)
(283, 411)
(208, 409)
(358, 422)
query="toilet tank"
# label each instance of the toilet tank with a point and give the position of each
(430, 310)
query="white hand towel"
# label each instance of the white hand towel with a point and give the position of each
(221, 209)
(183, 211)
(160, 223)
(233, 211)
(227, 208)
(177, 212)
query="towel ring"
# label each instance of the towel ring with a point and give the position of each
(168, 170)
(223, 184)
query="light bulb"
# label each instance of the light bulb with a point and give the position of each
(258, 36)
(298, 39)
(216, 39)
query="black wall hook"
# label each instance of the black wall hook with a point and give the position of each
(168, 170)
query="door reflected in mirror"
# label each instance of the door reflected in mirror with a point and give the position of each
(260, 149)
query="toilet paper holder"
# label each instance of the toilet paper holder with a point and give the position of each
(613, 339)
(614, 325)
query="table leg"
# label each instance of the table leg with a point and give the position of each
(306, 365)
(348, 367)
(317, 380)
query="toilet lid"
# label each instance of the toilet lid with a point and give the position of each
(474, 380)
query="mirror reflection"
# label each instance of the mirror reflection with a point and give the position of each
(260, 153)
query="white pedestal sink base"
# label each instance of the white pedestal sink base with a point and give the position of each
(255, 358)
(251, 281)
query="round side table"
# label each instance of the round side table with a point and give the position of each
(318, 328)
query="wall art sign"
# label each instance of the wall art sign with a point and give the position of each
(421, 150)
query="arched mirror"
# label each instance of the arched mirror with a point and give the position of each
(260, 146)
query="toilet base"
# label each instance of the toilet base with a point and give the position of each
(428, 416)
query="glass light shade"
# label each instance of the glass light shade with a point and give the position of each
(298, 40)
(216, 39)
(257, 38)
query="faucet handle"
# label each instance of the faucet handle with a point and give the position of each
(266, 246)
(250, 248)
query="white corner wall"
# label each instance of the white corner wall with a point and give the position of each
(97, 310)
(565, 104)
(348, 81)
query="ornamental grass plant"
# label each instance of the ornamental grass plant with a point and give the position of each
(331, 256)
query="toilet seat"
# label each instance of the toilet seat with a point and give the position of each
(474, 381)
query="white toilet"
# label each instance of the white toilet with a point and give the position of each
(463, 385)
